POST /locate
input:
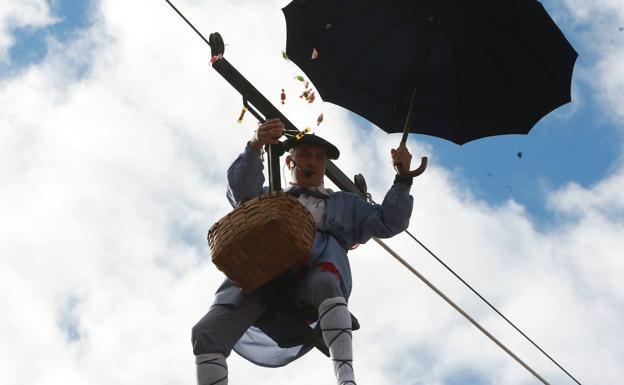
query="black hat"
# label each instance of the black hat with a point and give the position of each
(331, 150)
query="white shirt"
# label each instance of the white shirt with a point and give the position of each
(315, 206)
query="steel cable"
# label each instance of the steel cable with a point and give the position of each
(492, 306)
(460, 310)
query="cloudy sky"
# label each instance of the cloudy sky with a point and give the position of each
(115, 135)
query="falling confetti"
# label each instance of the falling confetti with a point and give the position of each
(305, 94)
(311, 97)
(319, 120)
(300, 78)
(283, 96)
(285, 56)
(242, 115)
(519, 155)
(304, 132)
(315, 54)
(307, 85)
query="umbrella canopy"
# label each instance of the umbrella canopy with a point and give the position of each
(466, 69)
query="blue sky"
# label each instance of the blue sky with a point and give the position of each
(30, 43)
(130, 149)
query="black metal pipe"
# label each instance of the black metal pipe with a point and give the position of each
(269, 111)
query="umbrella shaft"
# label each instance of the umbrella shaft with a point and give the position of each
(420, 68)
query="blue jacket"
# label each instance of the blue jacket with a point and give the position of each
(349, 220)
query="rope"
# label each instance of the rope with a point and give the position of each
(460, 310)
(370, 199)
(492, 307)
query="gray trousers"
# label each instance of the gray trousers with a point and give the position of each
(223, 325)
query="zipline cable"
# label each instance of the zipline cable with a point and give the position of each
(188, 22)
(369, 197)
(460, 310)
(491, 306)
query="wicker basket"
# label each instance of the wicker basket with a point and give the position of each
(261, 239)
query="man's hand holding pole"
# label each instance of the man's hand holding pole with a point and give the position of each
(268, 132)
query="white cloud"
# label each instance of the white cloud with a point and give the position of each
(110, 178)
(600, 27)
(21, 14)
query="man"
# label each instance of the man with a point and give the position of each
(244, 322)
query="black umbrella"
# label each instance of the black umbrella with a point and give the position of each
(456, 69)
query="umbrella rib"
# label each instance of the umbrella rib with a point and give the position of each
(392, 27)
(350, 14)
(370, 92)
(457, 81)
(496, 60)
(552, 71)
(504, 74)
(554, 76)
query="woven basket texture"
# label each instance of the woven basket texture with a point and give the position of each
(261, 239)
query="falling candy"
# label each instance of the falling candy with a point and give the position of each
(304, 132)
(311, 97)
(315, 54)
(307, 85)
(242, 115)
(305, 94)
(283, 96)
(300, 78)
(319, 120)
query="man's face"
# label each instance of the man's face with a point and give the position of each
(310, 165)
